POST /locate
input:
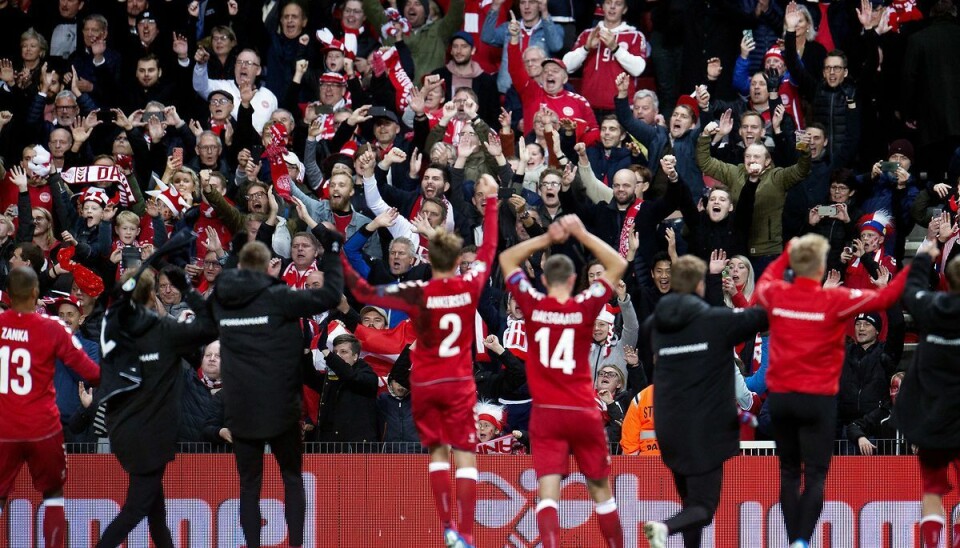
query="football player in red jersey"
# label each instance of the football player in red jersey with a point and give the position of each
(30, 430)
(565, 418)
(443, 310)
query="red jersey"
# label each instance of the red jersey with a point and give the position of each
(443, 311)
(558, 342)
(807, 326)
(857, 277)
(29, 346)
(566, 104)
(601, 67)
(40, 196)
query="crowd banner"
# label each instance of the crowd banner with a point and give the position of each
(384, 500)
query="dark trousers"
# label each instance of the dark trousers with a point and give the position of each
(144, 499)
(700, 494)
(803, 427)
(288, 450)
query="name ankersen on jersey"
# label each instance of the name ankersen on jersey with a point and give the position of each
(243, 322)
(18, 335)
(557, 318)
(685, 349)
(799, 315)
(449, 301)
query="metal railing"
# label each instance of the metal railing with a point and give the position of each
(747, 448)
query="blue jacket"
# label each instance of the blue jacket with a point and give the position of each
(546, 34)
(656, 139)
(65, 381)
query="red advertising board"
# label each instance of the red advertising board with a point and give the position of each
(384, 500)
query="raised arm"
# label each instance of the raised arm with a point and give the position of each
(610, 258)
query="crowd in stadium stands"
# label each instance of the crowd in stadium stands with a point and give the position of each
(719, 129)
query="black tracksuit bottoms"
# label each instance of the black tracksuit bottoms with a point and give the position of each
(803, 427)
(700, 494)
(144, 499)
(287, 448)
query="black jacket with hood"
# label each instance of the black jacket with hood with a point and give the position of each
(142, 379)
(694, 404)
(928, 405)
(262, 344)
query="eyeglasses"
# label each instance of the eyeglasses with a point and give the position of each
(220, 37)
(550, 184)
(208, 148)
(256, 196)
(833, 68)
(606, 374)
(164, 287)
(838, 188)
(212, 264)
(245, 63)
(220, 101)
(66, 107)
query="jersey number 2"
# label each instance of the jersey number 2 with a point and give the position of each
(22, 382)
(562, 357)
(453, 323)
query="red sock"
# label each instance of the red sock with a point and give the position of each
(440, 485)
(466, 501)
(54, 523)
(930, 529)
(610, 526)
(548, 522)
(956, 535)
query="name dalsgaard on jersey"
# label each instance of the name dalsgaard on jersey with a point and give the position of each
(557, 318)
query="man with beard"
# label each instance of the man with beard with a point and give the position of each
(434, 184)
(149, 85)
(609, 155)
(614, 221)
(245, 73)
(462, 71)
(339, 211)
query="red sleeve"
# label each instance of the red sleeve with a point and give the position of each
(522, 290)
(856, 301)
(488, 250)
(773, 273)
(404, 296)
(581, 40)
(739, 301)
(70, 352)
(516, 68)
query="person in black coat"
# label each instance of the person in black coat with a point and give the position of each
(928, 410)
(697, 426)
(142, 385)
(348, 392)
(198, 404)
(864, 380)
(483, 85)
(262, 345)
(395, 411)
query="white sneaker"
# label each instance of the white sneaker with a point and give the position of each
(799, 544)
(656, 533)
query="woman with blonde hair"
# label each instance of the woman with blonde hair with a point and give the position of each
(43, 234)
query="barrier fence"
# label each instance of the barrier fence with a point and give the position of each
(373, 500)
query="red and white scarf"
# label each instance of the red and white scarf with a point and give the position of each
(628, 226)
(504, 445)
(515, 337)
(295, 278)
(98, 174)
(278, 167)
(389, 62)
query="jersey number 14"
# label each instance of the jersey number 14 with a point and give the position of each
(562, 356)
(21, 383)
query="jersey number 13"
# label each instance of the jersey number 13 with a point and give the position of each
(21, 382)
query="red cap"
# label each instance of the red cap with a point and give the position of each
(691, 103)
(554, 60)
(333, 78)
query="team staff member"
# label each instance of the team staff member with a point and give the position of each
(928, 405)
(697, 426)
(807, 326)
(143, 408)
(261, 347)
(30, 427)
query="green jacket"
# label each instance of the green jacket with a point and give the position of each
(428, 44)
(766, 233)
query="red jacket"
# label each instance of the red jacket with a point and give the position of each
(807, 327)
